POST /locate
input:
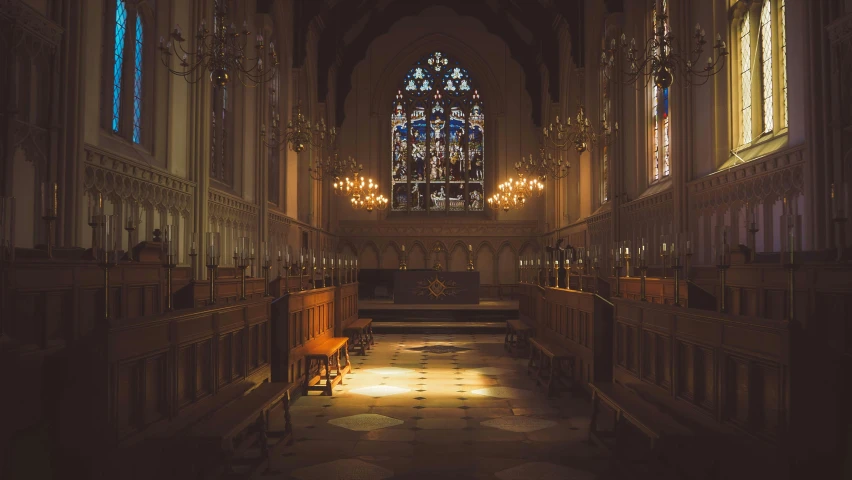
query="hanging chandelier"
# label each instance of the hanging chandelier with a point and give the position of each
(545, 167)
(579, 134)
(300, 133)
(363, 192)
(506, 202)
(333, 167)
(222, 53)
(660, 61)
(370, 202)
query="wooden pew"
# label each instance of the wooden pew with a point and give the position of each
(228, 290)
(661, 291)
(579, 322)
(682, 376)
(284, 285)
(301, 320)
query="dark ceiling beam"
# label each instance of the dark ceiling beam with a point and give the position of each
(337, 18)
(381, 22)
(539, 20)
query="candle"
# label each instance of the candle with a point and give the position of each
(470, 248)
(192, 247)
(403, 248)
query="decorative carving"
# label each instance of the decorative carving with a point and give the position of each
(32, 139)
(437, 288)
(501, 229)
(775, 175)
(232, 210)
(24, 28)
(112, 175)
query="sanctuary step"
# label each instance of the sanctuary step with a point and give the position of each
(489, 316)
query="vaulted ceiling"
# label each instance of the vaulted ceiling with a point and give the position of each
(348, 27)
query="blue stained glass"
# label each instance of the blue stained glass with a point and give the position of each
(120, 29)
(664, 110)
(137, 84)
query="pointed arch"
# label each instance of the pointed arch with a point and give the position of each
(485, 261)
(418, 256)
(368, 256)
(507, 264)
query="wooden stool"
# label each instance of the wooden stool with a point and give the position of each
(361, 331)
(322, 354)
(541, 349)
(518, 335)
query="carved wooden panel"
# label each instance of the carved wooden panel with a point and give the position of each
(203, 368)
(737, 386)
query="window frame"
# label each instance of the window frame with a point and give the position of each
(410, 103)
(125, 134)
(762, 140)
(656, 131)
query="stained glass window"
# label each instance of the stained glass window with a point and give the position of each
(437, 139)
(118, 62)
(766, 61)
(274, 155)
(745, 77)
(137, 83)
(660, 120)
(783, 32)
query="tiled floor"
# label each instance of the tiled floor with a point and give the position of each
(469, 412)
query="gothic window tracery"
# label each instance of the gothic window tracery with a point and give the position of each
(437, 139)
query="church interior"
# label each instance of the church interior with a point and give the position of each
(398, 239)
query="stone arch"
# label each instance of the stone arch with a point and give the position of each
(442, 257)
(390, 256)
(368, 257)
(485, 262)
(457, 257)
(507, 264)
(418, 256)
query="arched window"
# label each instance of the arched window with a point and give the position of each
(222, 131)
(661, 158)
(437, 139)
(126, 67)
(221, 165)
(274, 153)
(762, 79)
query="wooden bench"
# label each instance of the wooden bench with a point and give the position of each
(541, 349)
(322, 353)
(242, 423)
(361, 333)
(680, 444)
(518, 335)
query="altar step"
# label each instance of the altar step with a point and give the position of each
(489, 316)
(438, 327)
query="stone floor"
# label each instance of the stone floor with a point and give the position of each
(439, 407)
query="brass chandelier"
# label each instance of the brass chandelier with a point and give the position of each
(362, 192)
(300, 133)
(334, 167)
(544, 167)
(507, 198)
(222, 53)
(580, 135)
(660, 61)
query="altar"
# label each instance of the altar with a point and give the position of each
(436, 288)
